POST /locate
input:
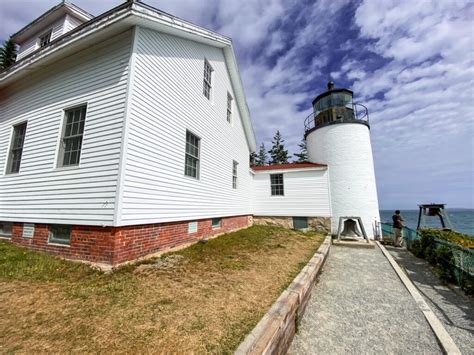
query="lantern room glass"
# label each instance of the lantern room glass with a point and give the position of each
(341, 99)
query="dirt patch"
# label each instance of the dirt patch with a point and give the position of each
(205, 298)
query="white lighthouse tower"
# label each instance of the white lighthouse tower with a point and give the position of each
(338, 134)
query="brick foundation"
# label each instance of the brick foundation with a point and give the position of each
(115, 245)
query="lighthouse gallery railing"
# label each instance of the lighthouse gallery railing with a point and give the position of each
(361, 114)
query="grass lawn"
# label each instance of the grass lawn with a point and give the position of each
(205, 298)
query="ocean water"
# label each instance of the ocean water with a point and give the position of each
(461, 219)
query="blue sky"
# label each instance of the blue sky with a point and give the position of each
(410, 62)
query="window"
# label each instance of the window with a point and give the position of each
(276, 181)
(229, 108)
(6, 229)
(16, 149)
(71, 142)
(216, 223)
(191, 164)
(44, 39)
(60, 234)
(300, 222)
(234, 174)
(207, 79)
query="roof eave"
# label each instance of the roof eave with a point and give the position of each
(66, 7)
(290, 170)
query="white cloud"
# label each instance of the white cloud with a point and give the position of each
(423, 127)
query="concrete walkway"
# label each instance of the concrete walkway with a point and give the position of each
(360, 306)
(454, 309)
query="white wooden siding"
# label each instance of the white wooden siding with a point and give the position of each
(306, 194)
(42, 193)
(71, 23)
(31, 44)
(166, 100)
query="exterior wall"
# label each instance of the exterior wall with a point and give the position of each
(306, 194)
(347, 150)
(166, 100)
(319, 224)
(113, 246)
(58, 28)
(82, 195)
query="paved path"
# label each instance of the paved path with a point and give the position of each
(360, 306)
(453, 309)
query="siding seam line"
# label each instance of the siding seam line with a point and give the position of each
(124, 143)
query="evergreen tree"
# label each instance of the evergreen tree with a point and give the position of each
(303, 154)
(261, 156)
(278, 153)
(7, 54)
(253, 158)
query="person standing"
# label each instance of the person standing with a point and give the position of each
(397, 228)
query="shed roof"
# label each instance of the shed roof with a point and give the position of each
(288, 166)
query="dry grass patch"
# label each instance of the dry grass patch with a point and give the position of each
(205, 298)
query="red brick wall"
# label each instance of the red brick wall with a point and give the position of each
(115, 245)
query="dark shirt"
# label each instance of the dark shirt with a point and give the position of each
(397, 221)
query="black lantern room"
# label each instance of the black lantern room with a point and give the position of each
(335, 106)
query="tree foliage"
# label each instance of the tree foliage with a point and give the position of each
(253, 158)
(303, 154)
(7, 54)
(278, 154)
(261, 158)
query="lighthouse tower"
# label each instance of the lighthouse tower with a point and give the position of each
(337, 133)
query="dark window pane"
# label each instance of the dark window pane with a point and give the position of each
(16, 149)
(60, 234)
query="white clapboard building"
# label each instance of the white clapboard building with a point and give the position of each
(129, 133)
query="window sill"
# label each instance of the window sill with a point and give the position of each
(192, 178)
(56, 244)
(6, 237)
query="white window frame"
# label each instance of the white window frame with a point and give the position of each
(47, 34)
(230, 100)
(235, 167)
(62, 138)
(277, 185)
(217, 225)
(207, 80)
(57, 240)
(9, 165)
(196, 157)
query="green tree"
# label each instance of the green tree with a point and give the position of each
(7, 54)
(278, 153)
(261, 158)
(303, 154)
(253, 158)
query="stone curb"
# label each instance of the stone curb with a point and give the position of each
(444, 339)
(275, 331)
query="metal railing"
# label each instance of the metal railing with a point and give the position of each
(462, 260)
(360, 114)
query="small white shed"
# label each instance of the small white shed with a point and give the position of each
(292, 195)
